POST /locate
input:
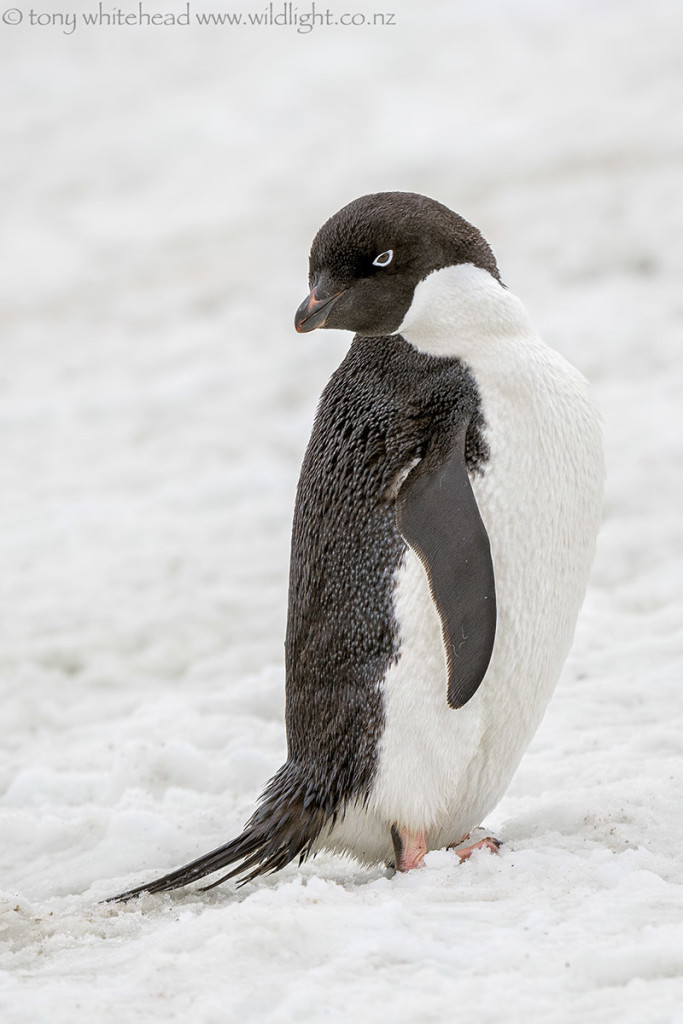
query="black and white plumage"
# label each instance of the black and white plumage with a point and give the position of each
(444, 528)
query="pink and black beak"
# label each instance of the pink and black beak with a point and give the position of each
(314, 310)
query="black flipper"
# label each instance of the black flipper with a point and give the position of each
(438, 516)
(284, 826)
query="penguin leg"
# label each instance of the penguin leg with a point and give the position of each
(409, 848)
(465, 852)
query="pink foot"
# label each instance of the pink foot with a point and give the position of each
(409, 848)
(465, 852)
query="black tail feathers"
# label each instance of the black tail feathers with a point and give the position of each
(285, 825)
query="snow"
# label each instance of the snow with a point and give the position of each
(160, 188)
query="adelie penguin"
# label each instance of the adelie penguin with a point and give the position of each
(444, 528)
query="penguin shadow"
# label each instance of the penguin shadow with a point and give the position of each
(348, 873)
(318, 871)
(324, 869)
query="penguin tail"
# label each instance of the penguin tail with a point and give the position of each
(285, 825)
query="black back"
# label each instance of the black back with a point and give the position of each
(385, 406)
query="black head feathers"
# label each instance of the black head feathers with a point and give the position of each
(367, 259)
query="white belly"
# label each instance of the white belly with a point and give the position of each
(441, 770)
(434, 774)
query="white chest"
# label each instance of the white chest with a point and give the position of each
(440, 769)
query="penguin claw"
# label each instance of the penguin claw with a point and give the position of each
(465, 852)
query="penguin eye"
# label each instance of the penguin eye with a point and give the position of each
(384, 259)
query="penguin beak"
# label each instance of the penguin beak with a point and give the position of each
(314, 310)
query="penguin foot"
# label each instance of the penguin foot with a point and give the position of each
(465, 852)
(409, 848)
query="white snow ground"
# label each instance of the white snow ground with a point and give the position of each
(160, 188)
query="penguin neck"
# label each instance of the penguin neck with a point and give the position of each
(463, 311)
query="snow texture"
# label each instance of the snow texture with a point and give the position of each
(160, 188)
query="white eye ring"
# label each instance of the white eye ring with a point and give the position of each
(384, 259)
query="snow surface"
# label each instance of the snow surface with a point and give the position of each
(160, 188)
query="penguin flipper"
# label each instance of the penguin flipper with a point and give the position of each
(438, 516)
(284, 826)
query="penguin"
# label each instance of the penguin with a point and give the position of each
(444, 528)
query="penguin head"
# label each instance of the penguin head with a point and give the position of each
(368, 258)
